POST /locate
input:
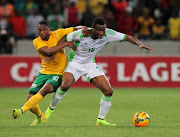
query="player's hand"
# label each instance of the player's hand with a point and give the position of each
(71, 45)
(142, 47)
(85, 31)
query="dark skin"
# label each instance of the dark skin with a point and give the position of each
(100, 82)
(50, 52)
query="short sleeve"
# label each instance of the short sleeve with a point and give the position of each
(63, 32)
(74, 36)
(38, 44)
(114, 35)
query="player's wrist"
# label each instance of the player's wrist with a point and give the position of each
(140, 45)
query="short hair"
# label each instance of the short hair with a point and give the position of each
(99, 21)
(44, 22)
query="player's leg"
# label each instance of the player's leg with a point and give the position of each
(105, 104)
(96, 76)
(67, 81)
(35, 110)
(70, 75)
(52, 83)
(32, 104)
(33, 99)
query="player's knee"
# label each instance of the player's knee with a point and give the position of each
(45, 91)
(108, 92)
(64, 87)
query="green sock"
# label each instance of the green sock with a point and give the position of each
(49, 112)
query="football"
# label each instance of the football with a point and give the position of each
(141, 119)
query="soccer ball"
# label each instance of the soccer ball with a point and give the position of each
(141, 119)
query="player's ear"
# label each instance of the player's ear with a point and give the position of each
(49, 28)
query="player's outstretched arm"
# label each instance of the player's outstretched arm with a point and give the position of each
(135, 41)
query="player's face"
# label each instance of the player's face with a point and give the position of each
(44, 31)
(99, 31)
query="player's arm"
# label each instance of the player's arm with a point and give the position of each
(69, 40)
(135, 41)
(84, 30)
(49, 51)
(68, 43)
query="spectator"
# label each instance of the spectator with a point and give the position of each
(44, 8)
(81, 4)
(97, 6)
(72, 14)
(54, 4)
(7, 41)
(145, 23)
(6, 10)
(32, 22)
(158, 30)
(127, 22)
(174, 26)
(26, 7)
(56, 20)
(160, 12)
(19, 25)
(167, 6)
(108, 15)
(119, 7)
(87, 17)
(138, 9)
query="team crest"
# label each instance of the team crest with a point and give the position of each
(34, 85)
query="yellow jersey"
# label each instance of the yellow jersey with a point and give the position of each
(174, 28)
(57, 64)
(145, 25)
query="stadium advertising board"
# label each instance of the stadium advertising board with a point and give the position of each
(152, 71)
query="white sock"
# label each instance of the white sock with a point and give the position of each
(105, 105)
(56, 99)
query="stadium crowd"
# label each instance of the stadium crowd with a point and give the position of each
(146, 19)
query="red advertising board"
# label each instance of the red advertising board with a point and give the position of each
(146, 71)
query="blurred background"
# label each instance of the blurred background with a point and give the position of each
(148, 20)
(155, 22)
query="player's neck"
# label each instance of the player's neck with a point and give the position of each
(46, 38)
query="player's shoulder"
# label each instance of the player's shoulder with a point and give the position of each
(62, 29)
(77, 33)
(37, 40)
(110, 32)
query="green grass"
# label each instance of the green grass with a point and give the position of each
(76, 114)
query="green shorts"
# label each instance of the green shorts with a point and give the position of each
(53, 79)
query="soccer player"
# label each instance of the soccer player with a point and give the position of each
(53, 59)
(81, 62)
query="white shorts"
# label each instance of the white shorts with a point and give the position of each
(89, 70)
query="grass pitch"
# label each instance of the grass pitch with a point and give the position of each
(76, 114)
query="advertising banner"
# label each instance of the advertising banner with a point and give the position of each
(122, 71)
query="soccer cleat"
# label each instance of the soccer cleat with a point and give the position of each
(46, 115)
(102, 122)
(36, 121)
(17, 113)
